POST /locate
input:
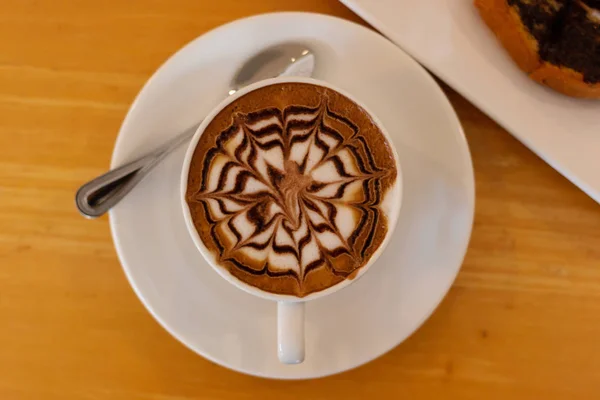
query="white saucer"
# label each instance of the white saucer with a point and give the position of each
(357, 324)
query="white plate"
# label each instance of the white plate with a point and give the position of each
(451, 40)
(357, 324)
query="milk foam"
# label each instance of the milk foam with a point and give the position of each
(288, 191)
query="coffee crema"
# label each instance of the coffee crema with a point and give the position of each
(286, 186)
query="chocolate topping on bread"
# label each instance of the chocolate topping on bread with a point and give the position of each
(576, 42)
(539, 16)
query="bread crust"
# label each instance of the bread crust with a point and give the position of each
(506, 24)
(566, 81)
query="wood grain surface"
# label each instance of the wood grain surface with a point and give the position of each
(521, 322)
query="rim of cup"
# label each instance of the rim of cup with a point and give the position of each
(392, 216)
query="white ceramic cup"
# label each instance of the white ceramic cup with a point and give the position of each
(290, 309)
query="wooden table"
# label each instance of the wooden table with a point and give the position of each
(521, 322)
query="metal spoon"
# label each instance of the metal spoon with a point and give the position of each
(100, 194)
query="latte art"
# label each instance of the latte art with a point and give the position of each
(289, 197)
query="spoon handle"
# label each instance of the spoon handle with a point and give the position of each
(97, 196)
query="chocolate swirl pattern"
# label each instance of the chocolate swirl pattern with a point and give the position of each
(289, 198)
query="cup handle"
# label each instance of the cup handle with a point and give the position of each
(290, 332)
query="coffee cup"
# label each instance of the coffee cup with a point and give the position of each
(217, 239)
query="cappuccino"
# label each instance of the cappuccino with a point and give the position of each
(287, 188)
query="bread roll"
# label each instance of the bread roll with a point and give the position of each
(556, 42)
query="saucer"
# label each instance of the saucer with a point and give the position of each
(357, 324)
